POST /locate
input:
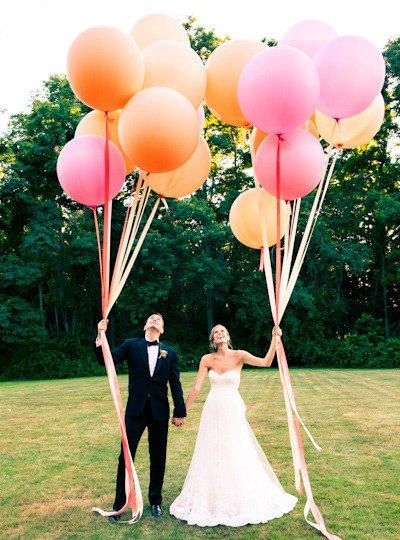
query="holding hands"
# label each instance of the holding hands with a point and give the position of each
(177, 422)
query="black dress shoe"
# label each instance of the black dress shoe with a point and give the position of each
(156, 510)
(114, 519)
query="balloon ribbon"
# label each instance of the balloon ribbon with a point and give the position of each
(109, 294)
(278, 300)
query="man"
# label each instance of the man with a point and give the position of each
(151, 366)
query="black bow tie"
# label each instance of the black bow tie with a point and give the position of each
(152, 343)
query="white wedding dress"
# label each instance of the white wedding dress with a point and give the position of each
(230, 481)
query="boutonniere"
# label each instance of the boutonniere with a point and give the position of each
(163, 353)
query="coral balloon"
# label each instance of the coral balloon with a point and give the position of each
(159, 129)
(278, 89)
(187, 178)
(94, 124)
(254, 210)
(352, 73)
(173, 64)
(80, 170)
(355, 130)
(308, 36)
(302, 163)
(105, 68)
(223, 67)
(158, 26)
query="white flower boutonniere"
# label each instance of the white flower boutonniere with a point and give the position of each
(163, 353)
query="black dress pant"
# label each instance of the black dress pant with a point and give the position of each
(158, 434)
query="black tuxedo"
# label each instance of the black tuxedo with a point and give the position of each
(147, 406)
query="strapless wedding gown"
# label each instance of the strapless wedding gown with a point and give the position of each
(230, 481)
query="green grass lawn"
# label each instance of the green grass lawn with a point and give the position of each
(59, 444)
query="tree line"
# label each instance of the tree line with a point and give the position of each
(344, 309)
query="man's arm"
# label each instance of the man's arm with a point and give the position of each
(120, 354)
(176, 389)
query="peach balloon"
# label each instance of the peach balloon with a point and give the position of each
(93, 123)
(353, 131)
(172, 64)
(159, 129)
(186, 179)
(256, 138)
(253, 210)
(158, 26)
(224, 67)
(311, 128)
(105, 68)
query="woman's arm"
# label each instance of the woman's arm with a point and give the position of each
(248, 358)
(203, 368)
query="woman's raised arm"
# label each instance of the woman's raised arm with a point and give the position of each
(251, 360)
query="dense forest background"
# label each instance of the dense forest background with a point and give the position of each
(344, 310)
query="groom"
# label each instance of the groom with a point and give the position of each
(151, 366)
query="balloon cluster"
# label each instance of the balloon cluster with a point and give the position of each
(313, 84)
(150, 84)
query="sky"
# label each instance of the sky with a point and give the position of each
(35, 34)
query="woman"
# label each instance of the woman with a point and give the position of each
(230, 481)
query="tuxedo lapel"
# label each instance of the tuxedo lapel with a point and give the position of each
(144, 355)
(159, 359)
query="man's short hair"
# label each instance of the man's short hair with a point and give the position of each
(159, 314)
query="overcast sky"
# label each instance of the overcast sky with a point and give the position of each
(35, 34)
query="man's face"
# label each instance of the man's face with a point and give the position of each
(156, 322)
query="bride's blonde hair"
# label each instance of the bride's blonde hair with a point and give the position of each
(213, 347)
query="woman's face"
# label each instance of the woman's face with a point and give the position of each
(220, 335)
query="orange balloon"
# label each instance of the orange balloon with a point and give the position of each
(172, 64)
(187, 178)
(224, 67)
(93, 123)
(105, 68)
(159, 129)
(157, 26)
(254, 210)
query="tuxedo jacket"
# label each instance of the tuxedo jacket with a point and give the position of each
(142, 386)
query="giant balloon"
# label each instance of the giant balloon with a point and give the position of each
(159, 129)
(105, 68)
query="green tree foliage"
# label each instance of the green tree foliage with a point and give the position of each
(344, 310)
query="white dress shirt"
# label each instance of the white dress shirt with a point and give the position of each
(152, 353)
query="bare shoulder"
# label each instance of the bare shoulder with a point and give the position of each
(242, 355)
(206, 359)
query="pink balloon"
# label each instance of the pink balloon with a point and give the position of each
(80, 170)
(308, 36)
(278, 89)
(302, 164)
(352, 73)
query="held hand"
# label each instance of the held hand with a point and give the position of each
(102, 326)
(178, 422)
(276, 331)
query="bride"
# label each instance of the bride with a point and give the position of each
(230, 481)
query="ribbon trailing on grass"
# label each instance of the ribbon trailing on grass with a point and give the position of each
(124, 262)
(285, 279)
